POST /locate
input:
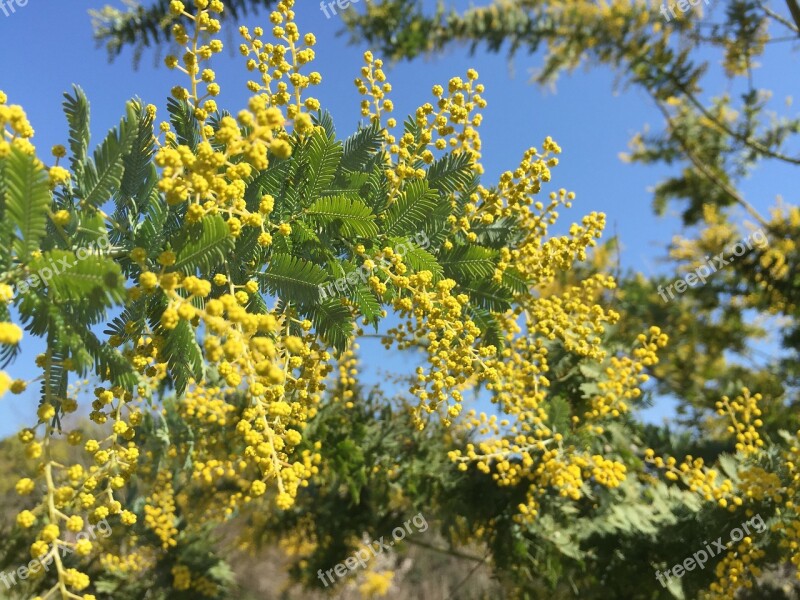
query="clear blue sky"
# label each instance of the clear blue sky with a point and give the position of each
(47, 46)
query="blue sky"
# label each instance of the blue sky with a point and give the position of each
(47, 47)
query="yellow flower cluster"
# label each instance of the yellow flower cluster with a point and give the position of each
(212, 177)
(15, 129)
(280, 64)
(282, 373)
(377, 584)
(136, 561)
(10, 334)
(159, 510)
(744, 415)
(625, 376)
(269, 368)
(450, 124)
(71, 489)
(16, 133)
(737, 570)
(749, 487)
(284, 376)
(182, 577)
(529, 449)
(348, 372)
(788, 528)
(434, 315)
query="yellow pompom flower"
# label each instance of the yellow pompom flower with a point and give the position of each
(176, 7)
(83, 547)
(46, 412)
(26, 519)
(6, 292)
(39, 548)
(376, 584)
(167, 258)
(128, 518)
(50, 533)
(5, 383)
(58, 176)
(61, 218)
(25, 486)
(148, 280)
(10, 334)
(75, 523)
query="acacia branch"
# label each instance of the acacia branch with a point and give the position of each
(794, 9)
(709, 174)
(447, 551)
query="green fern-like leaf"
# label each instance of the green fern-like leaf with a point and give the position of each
(187, 129)
(409, 212)
(138, 161)
(303, 232)
(324, 155)
(76, 109)
(488, 324)
(501, 232)
(69, 278)
(469, 262)
(27, 197)
(271, 181)
(108, 362)
(489, 295)
(333, 321)
(514, 280)
(377, 186)
(293, 279)
(451, 173)
(205, 249)
(360, 147)
(368, 305)
(353, 216)
(102, 176)
(183, 354)
(418, 259)
(155, 228)
(325, 120)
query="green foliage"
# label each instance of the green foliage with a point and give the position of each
(184, 357)
(77, 278)
(100, 178)
(352, 217)
(410, 210)
(144, 26)
(204, 247)
(293, 278)
(26, 197)
(335, 195)
(76, 109)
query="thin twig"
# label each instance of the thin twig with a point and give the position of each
(795, 10)
(470, 574)
(779, 18)
(703, 168)
(448, 551)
